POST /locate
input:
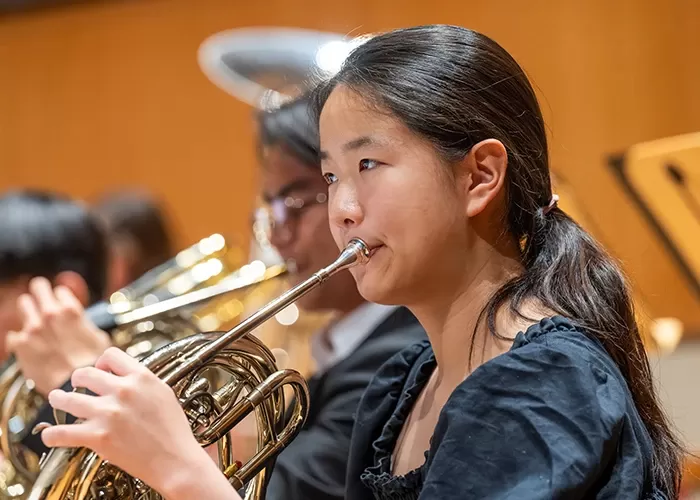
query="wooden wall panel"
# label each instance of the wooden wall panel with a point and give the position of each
(110, 94)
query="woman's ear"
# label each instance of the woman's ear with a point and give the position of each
(485, 171)
(76, 284)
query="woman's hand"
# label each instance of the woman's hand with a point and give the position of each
(136, 423)
(56, 338)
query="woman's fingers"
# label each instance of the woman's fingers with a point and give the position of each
(29, 312)
(43, 294)
(77, 404)
(15, 341)
(93, 379)
(84, 434)
(118, 362)
(68, 302)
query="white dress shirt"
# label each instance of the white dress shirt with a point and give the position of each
(334, 344)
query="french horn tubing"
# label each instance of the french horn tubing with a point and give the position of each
(255, 385)
(134, 327)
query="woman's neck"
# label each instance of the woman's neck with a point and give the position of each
(459, 344)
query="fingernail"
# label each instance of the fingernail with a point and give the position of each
(40, 427)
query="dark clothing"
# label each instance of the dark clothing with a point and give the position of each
(552, 418)
(313, 466)
(45, 414)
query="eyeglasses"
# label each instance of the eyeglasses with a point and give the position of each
(284, 212)
(286, 209)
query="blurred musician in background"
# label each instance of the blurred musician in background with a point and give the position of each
(139, 235)
(362, 336)
(53, 257)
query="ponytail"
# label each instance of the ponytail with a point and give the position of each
(567, 271)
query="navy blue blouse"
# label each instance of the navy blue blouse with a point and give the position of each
(552, 418)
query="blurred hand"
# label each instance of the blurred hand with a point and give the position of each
(136, 423)
(56, 338)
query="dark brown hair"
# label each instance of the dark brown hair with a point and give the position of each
(293, 127)
(137, 218)
(45, 234)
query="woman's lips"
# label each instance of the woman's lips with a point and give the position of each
(374, 250)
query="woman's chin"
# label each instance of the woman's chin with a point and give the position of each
(374, 289)
(376, 281)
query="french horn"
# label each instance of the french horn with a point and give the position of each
(255, 384)
(160, 307)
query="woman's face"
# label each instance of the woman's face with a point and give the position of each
(390, 188)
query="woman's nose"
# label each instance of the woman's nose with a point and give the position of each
(344, 207)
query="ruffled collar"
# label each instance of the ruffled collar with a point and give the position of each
(412, 371)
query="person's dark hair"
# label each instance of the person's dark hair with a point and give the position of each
(456, 87)
(44, 234)
(291, 126)
(134, 216)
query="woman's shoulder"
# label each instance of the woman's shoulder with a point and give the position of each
(560, 334)
(554, 359)
(551, 356)
(554, 411)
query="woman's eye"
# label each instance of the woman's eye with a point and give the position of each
(367, 164)
(329, 178)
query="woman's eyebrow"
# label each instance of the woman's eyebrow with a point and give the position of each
(355, 144)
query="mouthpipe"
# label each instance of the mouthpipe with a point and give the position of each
(356, 252)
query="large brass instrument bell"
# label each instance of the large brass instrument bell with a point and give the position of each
(255, 384)
(19, 404)
(158, 308)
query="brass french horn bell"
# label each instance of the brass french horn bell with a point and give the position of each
(255, 385)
